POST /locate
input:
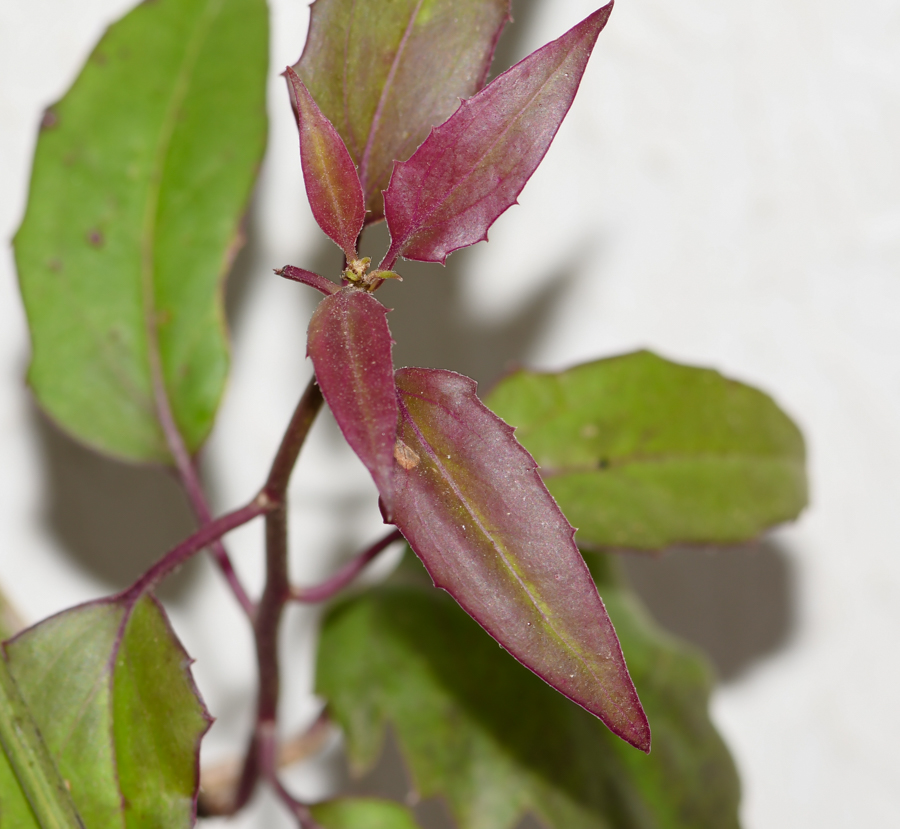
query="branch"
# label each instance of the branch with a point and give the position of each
(219, 784)
(187, 473)
(196, 542)
(292, 442)
(345, 575)
(277, 588)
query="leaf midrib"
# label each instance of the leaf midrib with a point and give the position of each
(150, 223)
(429, 220)
(501, 552)
(382, 100)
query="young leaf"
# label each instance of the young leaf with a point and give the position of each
(332, 185)
(308, 278)
(141, 175)
(471, 168)
(385, 73)
(350, 346)
(363, 813)
(32, 794)
(495, 742)
(643, 453)
(109, 687)
(470, 502)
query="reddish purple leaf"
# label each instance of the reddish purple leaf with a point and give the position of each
(350, 346)
(470, 502)
(312, 280)
(332, 184)
(472, 167)
(385, 73)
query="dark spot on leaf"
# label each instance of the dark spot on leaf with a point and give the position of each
(99, 58)
(55, 264)
(95, 238)
(603, 463)
(49, 120)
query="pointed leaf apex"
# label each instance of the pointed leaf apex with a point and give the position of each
(332, 183)
(472, 168)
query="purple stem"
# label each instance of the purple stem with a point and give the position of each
(345, 575)
(277, 589)
(267, 748)
(208, 533)
(187, 472)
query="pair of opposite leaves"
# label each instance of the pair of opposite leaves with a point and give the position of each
(451, 476)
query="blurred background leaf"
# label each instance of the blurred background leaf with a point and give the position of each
(142, 173)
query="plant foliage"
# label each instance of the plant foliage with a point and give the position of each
(141, 176)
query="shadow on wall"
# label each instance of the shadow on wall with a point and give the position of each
(736, 605)
(432, 329)
(115, 519)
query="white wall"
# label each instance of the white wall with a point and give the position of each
(726, 190)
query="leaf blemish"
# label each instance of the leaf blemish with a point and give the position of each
(405, 456)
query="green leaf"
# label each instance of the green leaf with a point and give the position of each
(386, 73)
(109, 687)
(363, 813)
(644, 453)
(32, 794)
(477, 728)
(141, 176)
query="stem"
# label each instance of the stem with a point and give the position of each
(220, 783)
(345, 575)
(187, 472)
(276, 591)
(292, 442)
(207, 534)
(268, 760)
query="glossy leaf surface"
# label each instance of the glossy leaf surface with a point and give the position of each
(32, 793)
(385, 73)
(477, 729)
(643, 453)
(332, 185)
(350, 346)
(472, 506)
(363, 813)
(109, 687)
(141, 176)
(471, 169)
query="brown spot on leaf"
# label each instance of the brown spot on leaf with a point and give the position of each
(405, 456)
(55, 264)
(95, 238)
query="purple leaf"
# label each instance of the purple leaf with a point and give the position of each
(385, 73)
(332, 184)
(472, 167)
(350, 346)
(310, 279)
(470, 502)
